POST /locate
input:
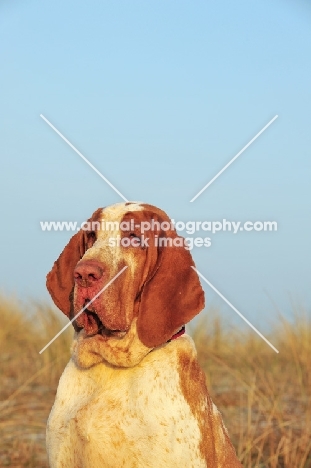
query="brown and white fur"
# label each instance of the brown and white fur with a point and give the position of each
(131, 397)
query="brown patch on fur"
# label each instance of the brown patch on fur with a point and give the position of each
(215, 446)
(193, 387)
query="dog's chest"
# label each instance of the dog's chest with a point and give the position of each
(105, 417)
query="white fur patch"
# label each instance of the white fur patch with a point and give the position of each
(118, 210)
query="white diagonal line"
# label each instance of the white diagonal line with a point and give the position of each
(235, 157)
(83, 157)
(236, 310)
(82, 310)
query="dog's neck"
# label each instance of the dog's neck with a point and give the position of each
(125, 352)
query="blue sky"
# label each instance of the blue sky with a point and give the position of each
(159, 96)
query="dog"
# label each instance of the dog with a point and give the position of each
(133, 394)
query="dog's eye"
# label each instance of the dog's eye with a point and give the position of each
(91, 238)
(135, 239)
(134, 236)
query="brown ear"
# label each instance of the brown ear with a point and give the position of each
(60, 280)
(171, 298)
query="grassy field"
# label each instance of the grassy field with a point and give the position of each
(265, 398)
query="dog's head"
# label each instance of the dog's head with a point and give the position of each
(156, 293)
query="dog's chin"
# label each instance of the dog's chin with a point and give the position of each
(106, 333)
(120, 348)
(93, 326)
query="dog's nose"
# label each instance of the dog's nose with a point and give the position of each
(87, 273)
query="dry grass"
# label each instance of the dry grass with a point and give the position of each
(29, 381)
(264, 397)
